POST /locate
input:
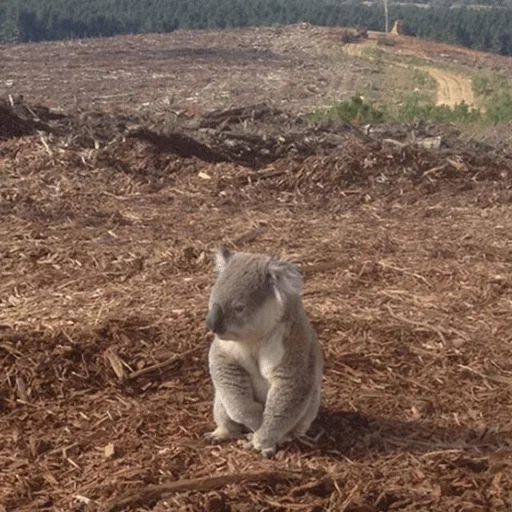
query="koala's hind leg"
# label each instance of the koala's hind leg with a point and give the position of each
(226, 427)
(311, 412)
(304, 424)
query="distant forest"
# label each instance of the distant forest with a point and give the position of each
(452, 3)
(40, 20)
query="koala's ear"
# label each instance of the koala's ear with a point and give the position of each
(285, 277)
(222, 257)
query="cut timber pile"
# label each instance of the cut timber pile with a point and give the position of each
(15, 124)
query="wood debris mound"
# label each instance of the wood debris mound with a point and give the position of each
(353, 36)
(18, 119)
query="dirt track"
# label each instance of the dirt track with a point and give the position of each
(452, 89)
(105, 266)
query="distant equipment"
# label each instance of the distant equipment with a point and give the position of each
(398, 27)
(353, 36)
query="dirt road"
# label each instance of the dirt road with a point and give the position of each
(452, 89)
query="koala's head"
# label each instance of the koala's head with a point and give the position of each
(250, 294)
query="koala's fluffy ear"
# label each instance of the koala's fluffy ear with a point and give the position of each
(222, 257)
(285, 277)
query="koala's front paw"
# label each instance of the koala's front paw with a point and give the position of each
(219, 435)
(264, 446)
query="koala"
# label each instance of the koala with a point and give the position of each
(265, 360)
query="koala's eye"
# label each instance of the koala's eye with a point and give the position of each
(238, 308)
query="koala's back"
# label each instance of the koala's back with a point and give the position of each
(303, 351)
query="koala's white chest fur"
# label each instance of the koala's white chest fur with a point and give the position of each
(258, 360)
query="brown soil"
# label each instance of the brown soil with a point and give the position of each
(452, 89)
(107, 227)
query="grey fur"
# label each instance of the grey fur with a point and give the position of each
(265, 360)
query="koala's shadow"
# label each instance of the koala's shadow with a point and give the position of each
(356, 436)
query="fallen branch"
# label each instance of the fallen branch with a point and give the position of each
(177, 359)
(116, 363)
(495, 378)
(418, 324)
(250, 236)
(323, 266)
(404, 271)
(322, 486)
(153, 493)
(259, 176)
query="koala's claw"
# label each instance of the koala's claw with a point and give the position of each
(210, 438)
(266, 450)
(218, 436)
(309, 439)
(268, 453)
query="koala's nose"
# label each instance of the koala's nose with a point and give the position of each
(214, 318)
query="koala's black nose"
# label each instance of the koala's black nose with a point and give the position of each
(214, 319)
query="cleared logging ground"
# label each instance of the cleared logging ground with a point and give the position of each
(105, 276)
(105, 265)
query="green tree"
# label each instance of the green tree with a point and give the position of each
(10, 31)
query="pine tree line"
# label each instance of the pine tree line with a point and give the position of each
(40, 20)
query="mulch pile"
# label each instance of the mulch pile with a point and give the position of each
(108, 222)
(17, 119)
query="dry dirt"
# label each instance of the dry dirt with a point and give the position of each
(452, 89)
(108, 222)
